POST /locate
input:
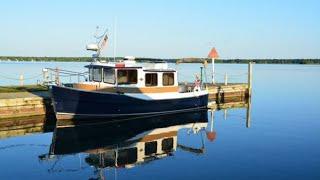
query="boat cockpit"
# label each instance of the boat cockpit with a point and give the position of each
(130, 74)
(130, 77)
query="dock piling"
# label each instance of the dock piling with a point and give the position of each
(225, 114)
(21, 79)
(248, 113)
(212, 62)
(45, 76)
(57, 78)
(225, 79)
(249, 78)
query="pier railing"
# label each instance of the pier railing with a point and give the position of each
(20, 79)
(241, 76)
(56, 75)
(48, 76)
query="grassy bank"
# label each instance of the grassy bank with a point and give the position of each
(26, 88)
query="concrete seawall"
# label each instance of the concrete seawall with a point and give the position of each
(22, 104)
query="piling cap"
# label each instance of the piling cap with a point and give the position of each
(213, 54)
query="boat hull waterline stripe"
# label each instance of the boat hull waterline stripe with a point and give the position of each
(151, 96)
(133, 114)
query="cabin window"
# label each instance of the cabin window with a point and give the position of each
(90, 74)
(96, 74)
(167, 145)
(108, 159)
(127, 76)
(150, 148)
(127, 156)
(108, 75)
(151, 79)
(168, 79)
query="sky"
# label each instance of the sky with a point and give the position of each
(162, 28)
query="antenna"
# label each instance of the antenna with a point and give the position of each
(101, 41)
(114, 38)
(96, 33)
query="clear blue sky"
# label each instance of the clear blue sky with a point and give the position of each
(163, 28)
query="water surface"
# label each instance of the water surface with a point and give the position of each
(281, 143)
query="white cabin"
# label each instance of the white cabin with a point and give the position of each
(130, 77)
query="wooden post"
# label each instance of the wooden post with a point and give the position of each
(45, 76)
(211, 121)
(249, 78)
(225, 79)
(225, 114)
(21, 79)
(248, 120)
(213, 54)
(218, 100)
(201, 75)
(57, 77)
(51, 76)
(213, 81)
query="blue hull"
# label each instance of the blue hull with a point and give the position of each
(72, 103)
(90, 136)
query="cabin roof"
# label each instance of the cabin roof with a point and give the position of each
(110, 65)
(159, 70)
(132, 65)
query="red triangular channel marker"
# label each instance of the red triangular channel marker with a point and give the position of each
(213, 54)
(211, 136)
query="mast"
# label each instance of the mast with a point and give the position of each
(101, 42)
(213, 54)
(115, 39)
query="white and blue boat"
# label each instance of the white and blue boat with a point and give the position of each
(126, 88)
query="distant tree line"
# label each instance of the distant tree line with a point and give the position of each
(57, 59)
(182, 60)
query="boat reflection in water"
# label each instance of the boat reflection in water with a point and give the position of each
(128, 142)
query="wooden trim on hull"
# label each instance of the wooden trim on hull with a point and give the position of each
(89, 87)
(154, 137)
(70, 116)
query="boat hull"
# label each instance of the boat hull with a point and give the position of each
(87, 136)
(70, 103)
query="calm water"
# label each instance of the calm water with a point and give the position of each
(283, 141)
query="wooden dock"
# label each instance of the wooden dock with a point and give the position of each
(21, 126)
(228, 93)
(24, 104)
(28, 113)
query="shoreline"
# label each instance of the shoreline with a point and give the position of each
(314, 61)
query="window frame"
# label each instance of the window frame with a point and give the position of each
(127, 83)
(163, 75)
(150, 148)
(167, 144)
(114, 75)
(101, 72)
(127, 156)
(145, 79)
(90, 74)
